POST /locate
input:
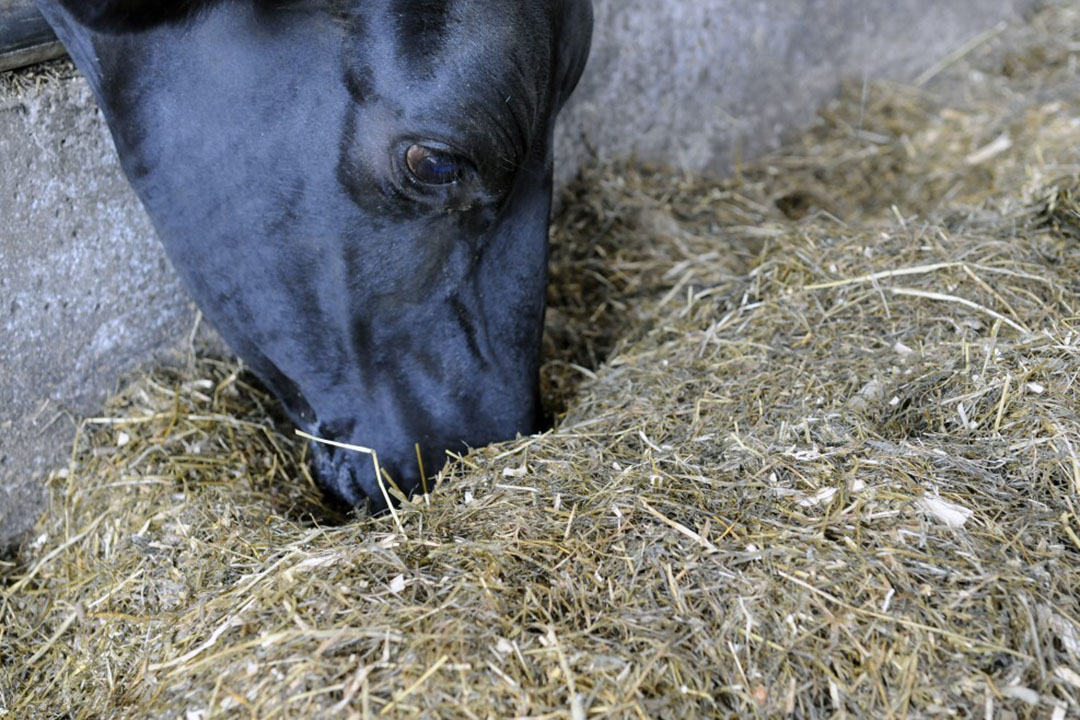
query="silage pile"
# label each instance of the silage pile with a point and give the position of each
(816, 456)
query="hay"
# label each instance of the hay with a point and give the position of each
(33, 77)
(816, 456)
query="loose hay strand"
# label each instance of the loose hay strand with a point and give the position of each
(944, 297)
(379, 472)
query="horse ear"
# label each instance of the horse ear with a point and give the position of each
(121, 16)
(575, 43)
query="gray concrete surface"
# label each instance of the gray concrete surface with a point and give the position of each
(86, 294)
(693, 83)
(85, 290)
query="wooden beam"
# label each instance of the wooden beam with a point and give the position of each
(25, 37)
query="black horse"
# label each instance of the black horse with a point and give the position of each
(356, 193)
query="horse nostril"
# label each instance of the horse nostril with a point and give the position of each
(337, 475)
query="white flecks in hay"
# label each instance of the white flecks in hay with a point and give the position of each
(952, 514)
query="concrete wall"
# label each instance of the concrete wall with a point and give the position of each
(85, 293)
(85, 290)
(686, 82)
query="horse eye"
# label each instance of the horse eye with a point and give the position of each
(433, 167)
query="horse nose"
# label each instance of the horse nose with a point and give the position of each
(349, 476)
(359, 477)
